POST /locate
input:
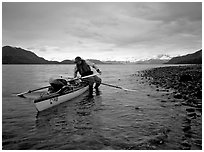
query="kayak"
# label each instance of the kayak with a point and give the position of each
(48, 100)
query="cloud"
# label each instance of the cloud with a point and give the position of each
(43, 50)
(150, 22)
(68, 29)
(168, 11)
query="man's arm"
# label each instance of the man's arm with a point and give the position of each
(75, 72)
(93, 66)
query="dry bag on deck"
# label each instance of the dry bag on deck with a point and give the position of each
(56, 84)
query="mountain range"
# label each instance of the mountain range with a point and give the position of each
(194, 58)
(14, 55)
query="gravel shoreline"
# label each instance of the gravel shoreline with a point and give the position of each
(184, 84)
(186, 81)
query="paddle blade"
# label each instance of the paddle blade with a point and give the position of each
(130, 90)
(21, 95)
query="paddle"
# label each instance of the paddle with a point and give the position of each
(118, 87)
(84, 77)
(71, 79)
(30, 91)
(110, 85)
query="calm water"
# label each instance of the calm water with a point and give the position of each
(114, 120)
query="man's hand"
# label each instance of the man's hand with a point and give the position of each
(99, 71)
(78, 77)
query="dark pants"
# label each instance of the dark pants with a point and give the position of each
(91, 81)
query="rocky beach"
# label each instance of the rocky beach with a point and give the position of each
(183, 86)
(186, 81)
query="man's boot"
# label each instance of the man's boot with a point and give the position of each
(97, 89)
(90, 91)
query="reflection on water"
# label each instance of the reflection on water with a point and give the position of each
(73, 122)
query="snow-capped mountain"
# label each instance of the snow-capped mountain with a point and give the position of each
(159, 59)
(163, 57)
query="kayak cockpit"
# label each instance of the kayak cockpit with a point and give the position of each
(63, 91)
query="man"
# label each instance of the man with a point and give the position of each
(84, 69)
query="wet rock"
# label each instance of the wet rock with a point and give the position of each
(186, 128)
(83, 127)
(185, 96)
(187, 120)
(158, 139)
(186, 148)
(177, 104)
(199, 109)
(198, 142)
(82, 113)
(198, 94)
(178, 96)
(199, 115)
(185, 78)
(163, 106)
(199, 106)
(188, 134)
(196, 101)
(173, 100)
(137, 108)
(184, 103)
(193, 114)
(185, 143)
(190, 110)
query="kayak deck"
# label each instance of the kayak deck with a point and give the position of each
(48, 100)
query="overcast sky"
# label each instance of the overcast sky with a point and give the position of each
(104, 31)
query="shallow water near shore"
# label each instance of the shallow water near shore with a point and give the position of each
(113, 120)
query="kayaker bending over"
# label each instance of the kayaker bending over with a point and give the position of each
(84, 69)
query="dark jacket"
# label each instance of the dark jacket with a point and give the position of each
(83, 69)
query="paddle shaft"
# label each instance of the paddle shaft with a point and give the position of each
(110, 85)
(72, 79)
(118, 87)
(39, 88)
(29, 91)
